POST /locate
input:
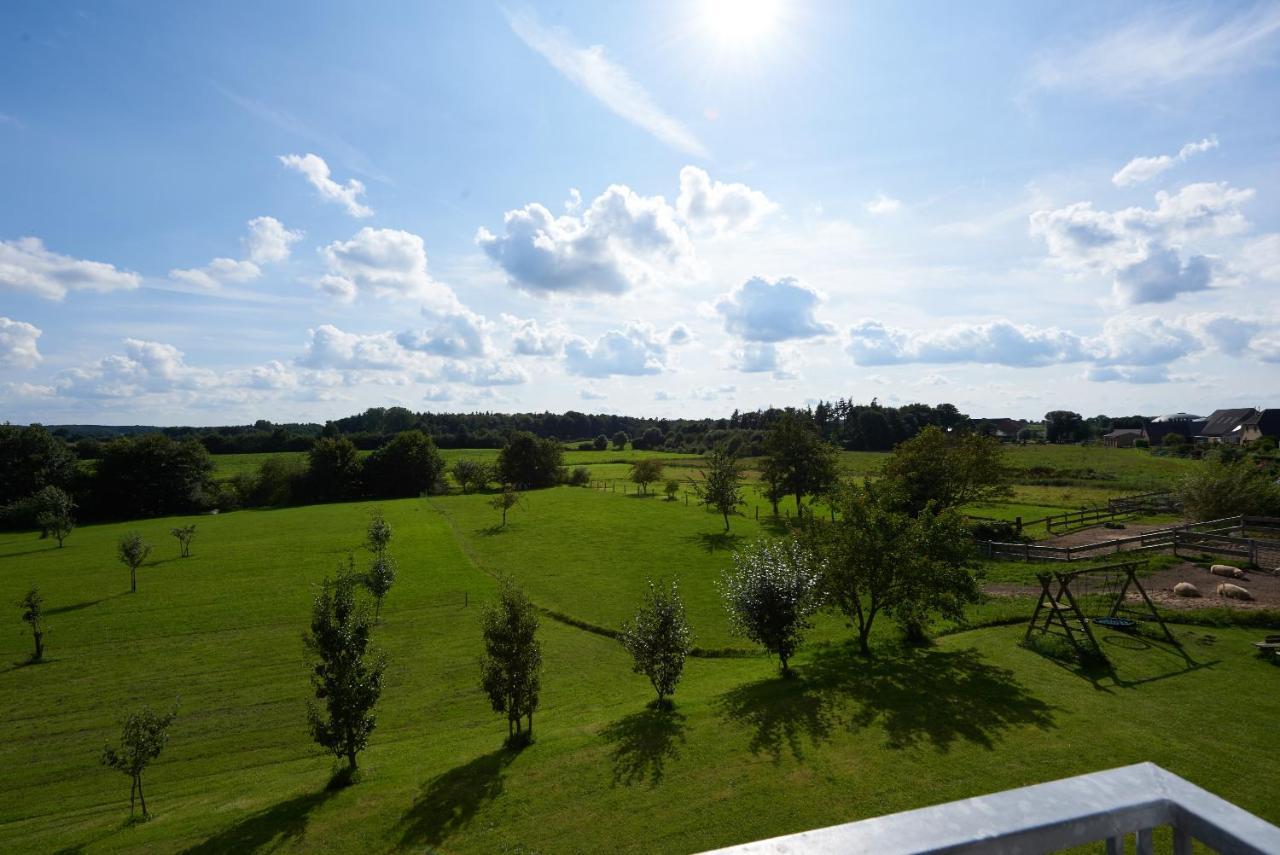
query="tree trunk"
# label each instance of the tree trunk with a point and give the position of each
(39, 645)
(799, 507)
(726, 520)
(351, 760)
(785, 669)
(133, 580)
(142, 798)
(133, 793)
(530, 728)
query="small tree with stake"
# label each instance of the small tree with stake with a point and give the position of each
(142, 739)
(185, 534)
(511, 667)
(379, 579)
(377, 536)
(505, 501)
(347, 675)
(56, 513)
(721, 486)
(132, 551)
(770, 593)
(672, 488)
(658, 639)
(32, 606)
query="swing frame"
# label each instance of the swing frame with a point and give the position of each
(1062, 614)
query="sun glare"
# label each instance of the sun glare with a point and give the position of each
(741, 23)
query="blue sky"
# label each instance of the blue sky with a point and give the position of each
(227, 212)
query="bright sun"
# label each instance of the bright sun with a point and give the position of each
(741, 23)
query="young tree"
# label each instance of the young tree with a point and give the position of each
(807, 463)
(472, 474)
(380, 578)
(658, 639)
(773, 481)
(132, 550)
(511, 667)
(32, 606)
(721, 486)
(645, 472)
(879, 558)
(377, 536)
(55, 513)
(185, 534)
(770, 592)
(948, 470)
(620, 440)
(142, 739)
(505, 501)
(347, 675)
(672, 488)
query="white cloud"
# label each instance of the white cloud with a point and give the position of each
(146, 367)
(574, 202)
(487, 373)
(1164, 48)
(1134, 341)
(1134, 374)
(713, 393)
(1229, 334)
(662, 395)
(883, 204)
(632, 351)
(591, 70)
(269, 242)
(219, 272)
(679, 335)
(756, 357)
(1145, 168)
(382, 263)
(1260, 257)
(437, 394)
(26, 265)
(997, 342)
(1144, 249)
(717, 207)
(317, 172)
(591, 393)
(15, 391)
(528, 338)
(332, 348)
(763, 311)
(460, 334)
(18, 344)
(621, 241)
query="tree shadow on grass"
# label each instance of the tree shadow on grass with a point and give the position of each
(921, 695)
(718, 542)
(783, 714)
(75, 607)
(450, 801)
(266, 830)
(642, 743)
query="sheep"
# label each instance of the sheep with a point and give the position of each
(1227, 570)
(1186, 589)
(1234, 592)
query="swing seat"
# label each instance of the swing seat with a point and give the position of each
(1115, 622)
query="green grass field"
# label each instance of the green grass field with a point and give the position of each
(746, 755)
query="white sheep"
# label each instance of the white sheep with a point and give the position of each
(1234, 592)
(1227, 570)
(1186, 589)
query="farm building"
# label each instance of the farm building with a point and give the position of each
(1224, 426)
(1184, 424)
(1261, 423)
(1123, 438)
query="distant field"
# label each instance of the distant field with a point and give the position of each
(745, 755)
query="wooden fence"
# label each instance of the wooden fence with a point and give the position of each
(1211, 536)
(1120, 508)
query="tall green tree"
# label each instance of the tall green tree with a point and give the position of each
(142, 738)
(132, 550)
(32, 606)
(721, 485)
(947, 469)
(409, 465)
(31, 458)
(771, 592)
(773, 482)
(807, 463)
(152, 476)
(658, 638)
(333, 469)
(347, 675)
(56, 513)
(511, 666)
(645, 472)
(527, 461)
(1064, 426)
(877, 558)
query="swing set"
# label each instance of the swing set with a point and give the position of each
(1059, 611)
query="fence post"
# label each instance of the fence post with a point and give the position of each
(1017, 521)
(757, 513)
(1253, 552)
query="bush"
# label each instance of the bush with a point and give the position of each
(579, 477)
(280, 481)
(1223, 489)
(1001, 531)
(409, 465)
(1141, 443)
(333, 473)
(528, 461)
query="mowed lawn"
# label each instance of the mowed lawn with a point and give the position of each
(746, 755)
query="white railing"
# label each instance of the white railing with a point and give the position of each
(1102, 806)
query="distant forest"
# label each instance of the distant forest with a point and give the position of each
(854, 427)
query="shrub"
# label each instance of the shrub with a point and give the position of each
(1221, 489)
(529, 461)
(472, 474)
(409, 465)
(579, 477)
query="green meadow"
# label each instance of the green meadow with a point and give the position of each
(744, 755)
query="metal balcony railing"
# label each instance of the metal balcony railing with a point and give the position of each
(1102, 806)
